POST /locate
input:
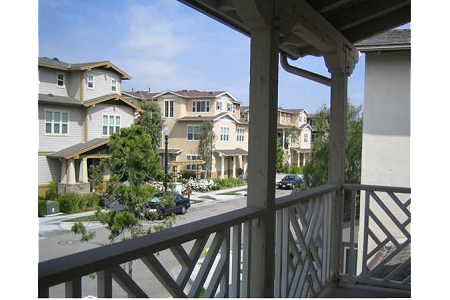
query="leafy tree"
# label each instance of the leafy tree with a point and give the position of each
(206, 147)
(96, 176)
(316, 170)
(280, 155)
(152, 121)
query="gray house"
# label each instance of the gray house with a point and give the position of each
(79, 106)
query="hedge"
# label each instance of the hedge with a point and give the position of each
(42, 208)
(72, 202)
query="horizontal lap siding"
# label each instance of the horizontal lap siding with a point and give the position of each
(47, 82)
(73, 86)
(48, 169)
(102, 83)
(95, 121)
(58, 142)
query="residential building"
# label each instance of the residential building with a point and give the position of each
(184, 112)
(387, 129)
(79, 106)
(294, 132)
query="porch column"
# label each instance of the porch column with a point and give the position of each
(284, 139)
(71, 172)
(298, 159)
(63, 171)
(84, 171)
(336, 171)
(222, 166)
(264, 47)
(304, 158)
(234, 166)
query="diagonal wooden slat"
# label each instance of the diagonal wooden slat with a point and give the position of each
(194, 255)
(215, 279)
(389, 257)
(127, 284)
(163, 276)
(374, 237)
(181, 255)
(383, 228)
(400, 204)
(206, 265)
(408, 203)
(405, 264)
(377, 248)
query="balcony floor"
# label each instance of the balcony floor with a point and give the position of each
(352, 291)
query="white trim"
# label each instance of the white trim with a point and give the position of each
(187, 133)
(113, 85)
(226, 133)
(217, 104)
(344, 266)
(173, 109)
(207, 106)
(64, 80)
(109, 125)
(60, 122)
(93, 81)
(237, 134)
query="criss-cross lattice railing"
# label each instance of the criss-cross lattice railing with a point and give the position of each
(303, 244)
(382, 239)
(222, 271)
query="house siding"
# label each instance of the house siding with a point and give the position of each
(73, 86)
(48, 169)
(102, 83)
(47, 82)
(58, 142)
(95, 115)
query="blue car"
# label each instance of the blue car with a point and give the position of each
(290, 182)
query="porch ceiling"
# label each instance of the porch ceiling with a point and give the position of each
(347, 21)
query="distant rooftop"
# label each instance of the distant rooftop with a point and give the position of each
(147, 95)
(396, 39)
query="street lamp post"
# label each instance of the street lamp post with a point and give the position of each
(166, 156)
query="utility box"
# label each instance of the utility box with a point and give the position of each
(52, 207)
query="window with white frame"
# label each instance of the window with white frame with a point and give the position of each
(229, 107)
(224, 133)
(56, 122)
(219, 106)
(90, 81)
(192, 157)
(347, 258)
(193, 133)
(60, 80)
(234, 109)
(111, 124)
(168, 108)
(240, 134)
(305, 137)
(200, 106)
(113, 85)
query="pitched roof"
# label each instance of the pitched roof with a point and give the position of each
(79, 148)
(232, 152)
(55, 63)
(146, 95)
(54, 99)
(397, 39)
(142, 95)
(109, 97)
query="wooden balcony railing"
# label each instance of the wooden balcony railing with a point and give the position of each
(303, 249)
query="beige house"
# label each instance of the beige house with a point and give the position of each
(294, 132)
(183, 113)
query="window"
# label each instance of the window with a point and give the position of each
(228, 106)
(219, 106)
(305, 137)
(114, 86)
(60, 80)
(56, 122)
(234, 109)
(240, 134)
(200, 106)
(224, 133)
(90, 81)
(347, 258)
(111, 124)
(193, 132)
(192, 157)
(168, 109)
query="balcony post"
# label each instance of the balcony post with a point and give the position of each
(336, 64)
(264, 47)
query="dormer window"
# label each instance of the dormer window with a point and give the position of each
(228, 106)
(219, 106)
(200, 106)
(90, 81)
(234, 109)
(114, 85)
(60, 80)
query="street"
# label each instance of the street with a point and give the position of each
(56, 241)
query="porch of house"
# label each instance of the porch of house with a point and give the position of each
(290, 246)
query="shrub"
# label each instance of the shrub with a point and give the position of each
(42, 208)
(72, 202)
(52, 190)
(296, 170)
(160, 176)
(187, 175)
(229, 182)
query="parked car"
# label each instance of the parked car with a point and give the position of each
(182, 204)
(290, 182)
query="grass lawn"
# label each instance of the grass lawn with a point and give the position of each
(233, 193)
(82, 219)
(197, 201)
(206, 197)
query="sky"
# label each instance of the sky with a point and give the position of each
(165, 45)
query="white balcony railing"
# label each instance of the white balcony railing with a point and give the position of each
(303, 250)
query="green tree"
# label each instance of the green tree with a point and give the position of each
(96, 176)
(316, 170)
(280, 156)
(153, 123)
(206, 147)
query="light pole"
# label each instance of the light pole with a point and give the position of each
(166, 132)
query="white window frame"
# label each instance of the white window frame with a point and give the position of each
(355, 253)
(108, 125)
(224, 133)
(52, 122)
(168, 114)
(240, 134)
(194, 106)
(234, 108)
(306, 138)
(113, 85)
(229, 107)
(219, 106)
(88, 81)
(63, 80)
(193, 133)
(190, 157)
